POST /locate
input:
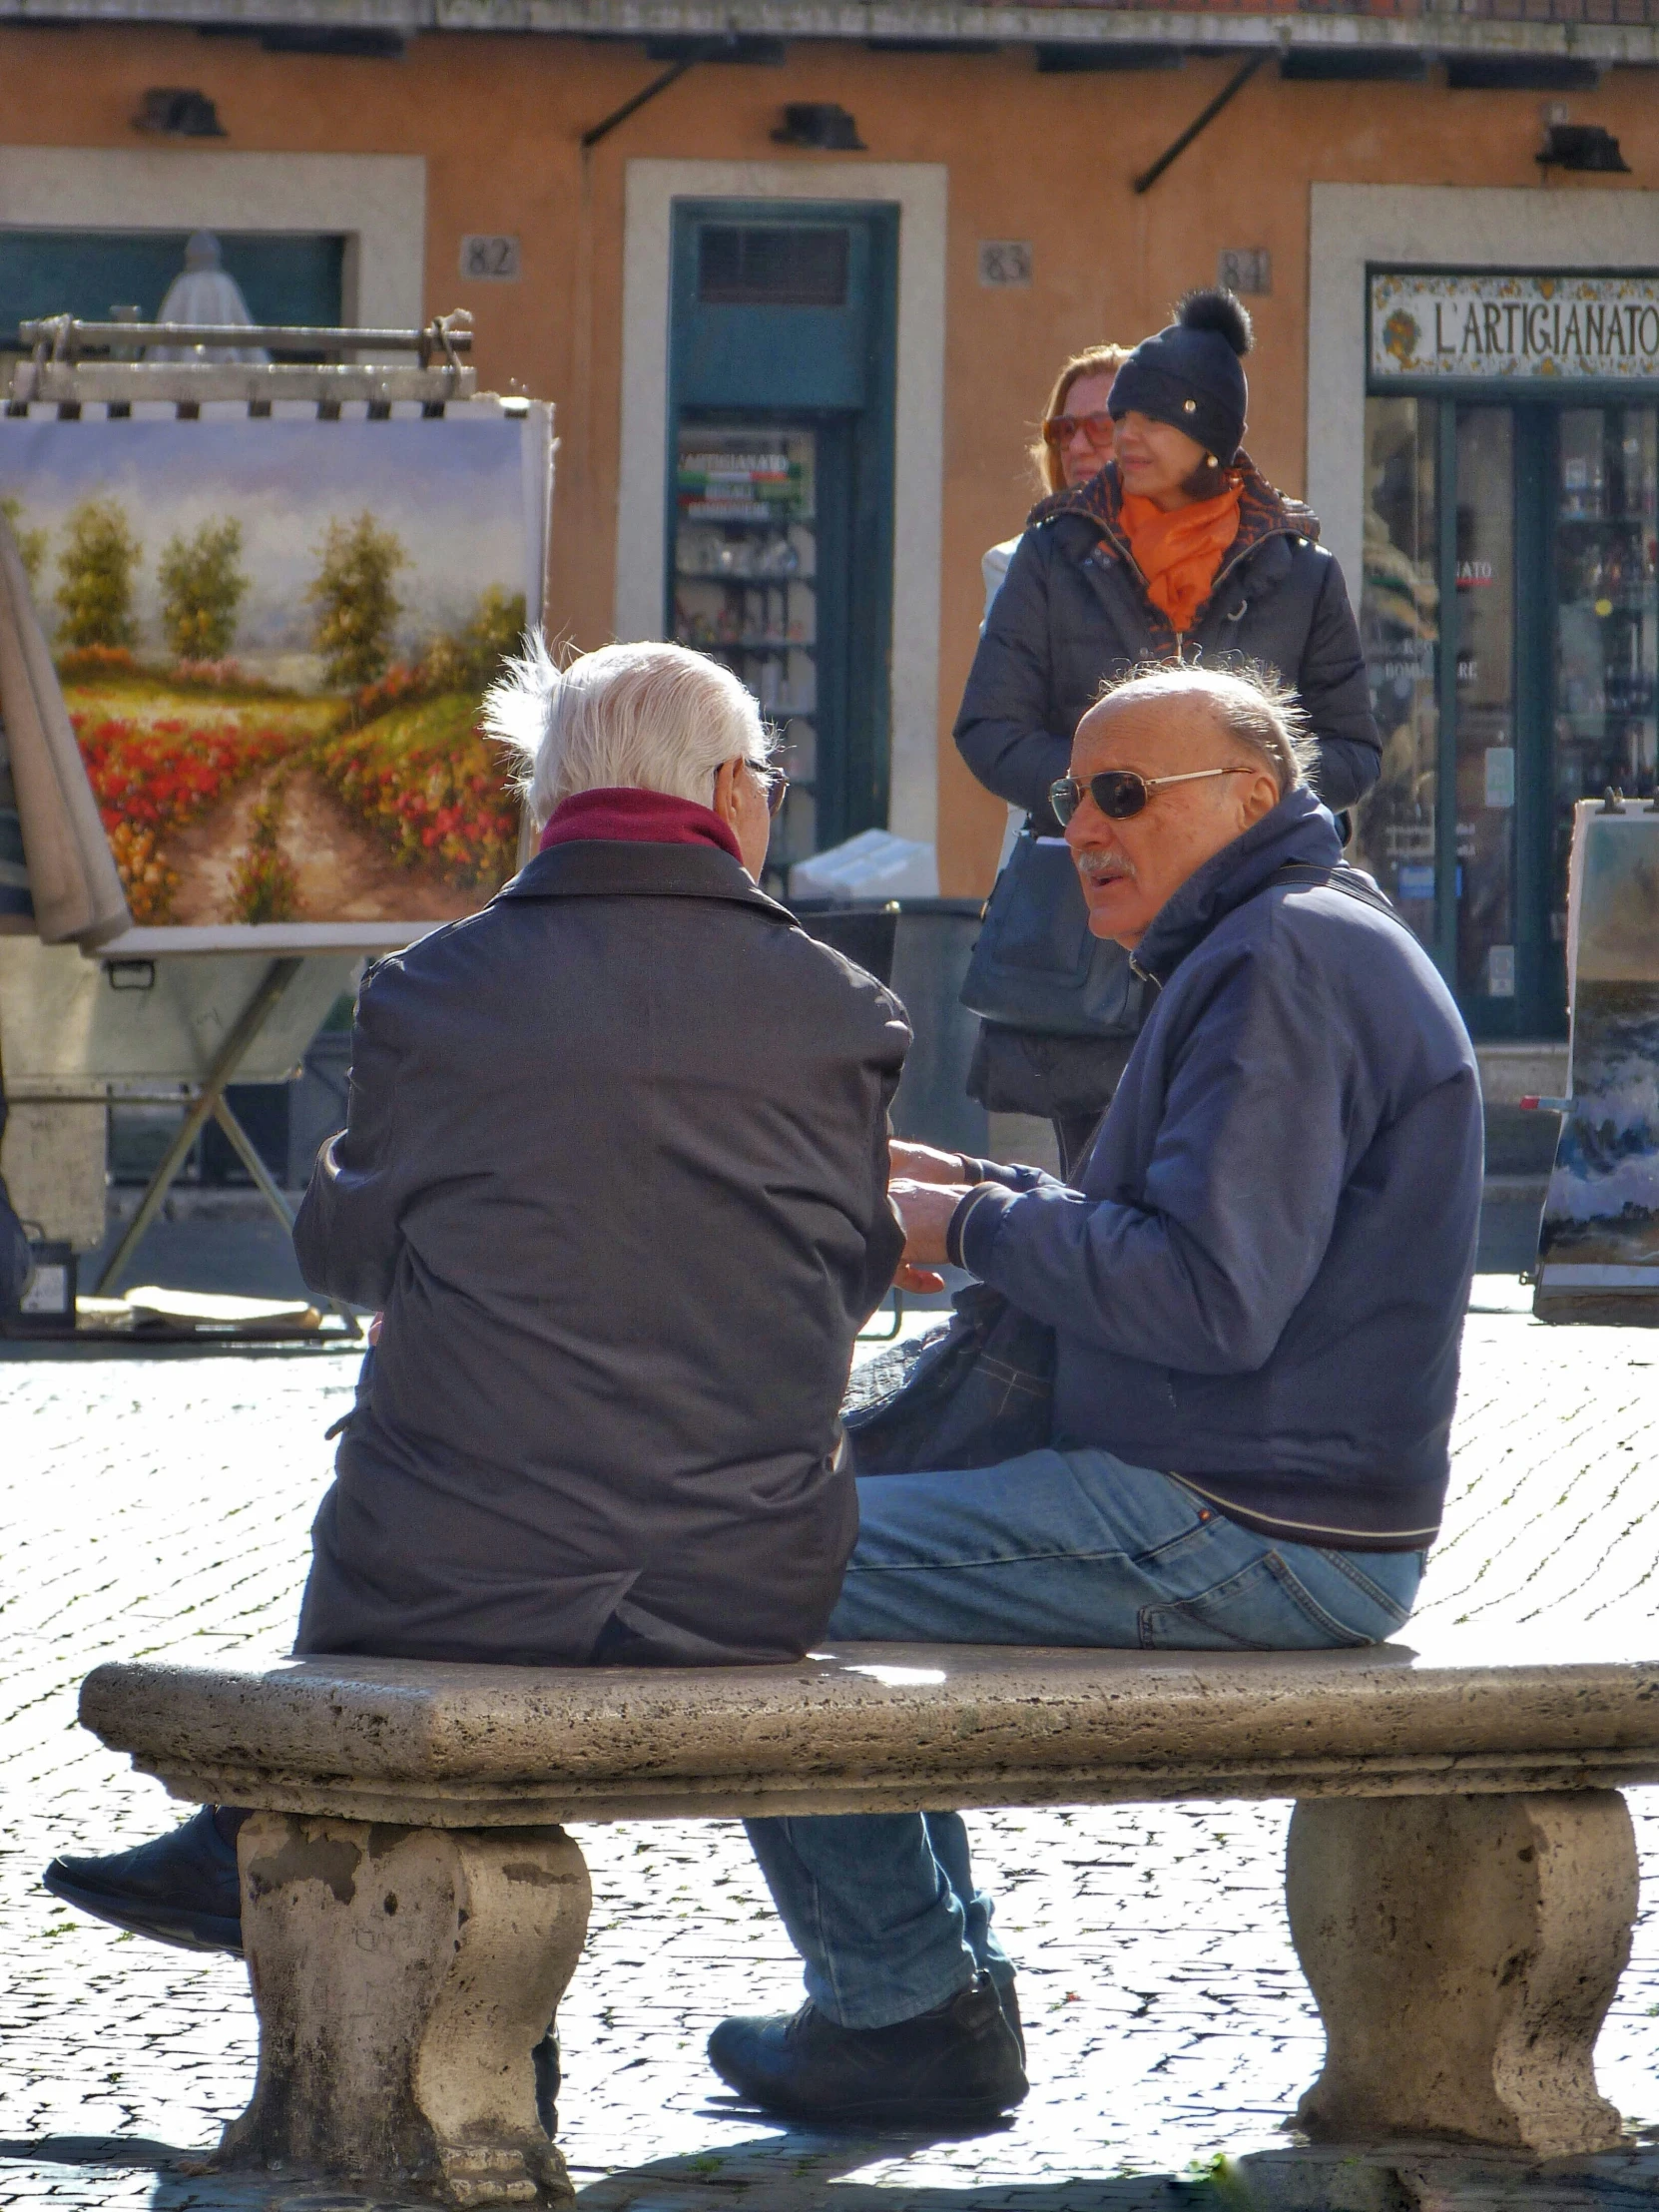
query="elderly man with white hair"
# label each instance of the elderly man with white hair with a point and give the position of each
(1256, 1287)
(615, 1169)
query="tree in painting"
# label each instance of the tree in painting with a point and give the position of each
(30, 543)
(496, 629)
(357, 606)
(95, 577)
(202, 587)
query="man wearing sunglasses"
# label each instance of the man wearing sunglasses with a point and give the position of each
(1256, 1283)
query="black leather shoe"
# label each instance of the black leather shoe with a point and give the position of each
(181, 1888)
(1011, 2012)
(545, 2059)
(958, 2063)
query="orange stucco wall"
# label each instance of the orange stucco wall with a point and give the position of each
(1043, 157)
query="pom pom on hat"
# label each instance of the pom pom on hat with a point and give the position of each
(1220, 311)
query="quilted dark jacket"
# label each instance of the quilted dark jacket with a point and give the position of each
(1074, 611)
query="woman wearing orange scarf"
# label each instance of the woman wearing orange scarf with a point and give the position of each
(1178, 548)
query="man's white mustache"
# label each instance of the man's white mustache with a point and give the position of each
(1103, 868)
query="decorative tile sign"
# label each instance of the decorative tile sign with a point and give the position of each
(1516, 324)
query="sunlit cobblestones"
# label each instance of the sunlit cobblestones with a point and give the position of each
(147, 1500)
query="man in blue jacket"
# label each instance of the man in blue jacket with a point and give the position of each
(1256, 1286)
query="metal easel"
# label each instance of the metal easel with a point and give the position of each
(211, 1104)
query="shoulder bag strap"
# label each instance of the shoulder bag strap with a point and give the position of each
(1351, 883)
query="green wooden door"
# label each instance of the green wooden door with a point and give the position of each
(779, 538)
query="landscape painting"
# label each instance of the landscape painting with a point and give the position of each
(273, 637)
(1600, 1234)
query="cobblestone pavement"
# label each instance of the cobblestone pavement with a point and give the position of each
(145, 1497)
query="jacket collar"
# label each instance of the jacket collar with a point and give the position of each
(1264, 513)
(606, 867)
(1298, 830)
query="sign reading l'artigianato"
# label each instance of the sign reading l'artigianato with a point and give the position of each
(1514, 323)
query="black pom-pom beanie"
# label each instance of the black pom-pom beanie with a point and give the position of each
(1190, 374)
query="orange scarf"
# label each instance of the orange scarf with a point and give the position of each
(1179, 553)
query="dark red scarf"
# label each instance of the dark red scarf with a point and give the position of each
(637, 818)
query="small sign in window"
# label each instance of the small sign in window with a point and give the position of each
(1004, 260)
(490, 260)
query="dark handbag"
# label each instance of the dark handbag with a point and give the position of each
(981, 1391)
(1036, 966)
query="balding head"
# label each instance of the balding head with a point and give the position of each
(1239, 740)
(1254, 716)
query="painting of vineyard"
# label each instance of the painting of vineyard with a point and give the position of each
(273, 639)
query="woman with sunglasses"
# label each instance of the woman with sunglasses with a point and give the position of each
(1177, 548)
(1074, 440)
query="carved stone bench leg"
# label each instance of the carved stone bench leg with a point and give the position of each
(1463, 1951)
(402, 1977)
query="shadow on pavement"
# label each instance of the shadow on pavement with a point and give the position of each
(790, 2170)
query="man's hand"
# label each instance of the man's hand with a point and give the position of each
(925, 1210)
(920, 1163)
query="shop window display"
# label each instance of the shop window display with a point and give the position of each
(1399, 626)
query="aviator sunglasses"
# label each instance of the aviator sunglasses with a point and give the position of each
(1121, 792)
(1060, 429)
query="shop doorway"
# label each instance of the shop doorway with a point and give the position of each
(1511, 614)
(780, 501)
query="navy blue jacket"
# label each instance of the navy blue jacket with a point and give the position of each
(1260, 1282)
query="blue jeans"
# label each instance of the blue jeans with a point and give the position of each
(1056, 1547)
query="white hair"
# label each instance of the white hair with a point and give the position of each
(656, 718)
(1247, 702)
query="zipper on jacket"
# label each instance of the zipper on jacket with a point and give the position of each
(1121, 550)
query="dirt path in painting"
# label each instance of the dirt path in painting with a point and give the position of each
(346, 874)
(343, 872)
(206, 852)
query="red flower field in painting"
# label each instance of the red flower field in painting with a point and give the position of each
(427, 780)
(151, 777)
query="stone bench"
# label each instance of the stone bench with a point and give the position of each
(1460, 1879)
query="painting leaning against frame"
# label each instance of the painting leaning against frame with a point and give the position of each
(269, 642)
(1599, 1244)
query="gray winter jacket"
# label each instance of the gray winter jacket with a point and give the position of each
(1074, 611)
(616, 1169)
